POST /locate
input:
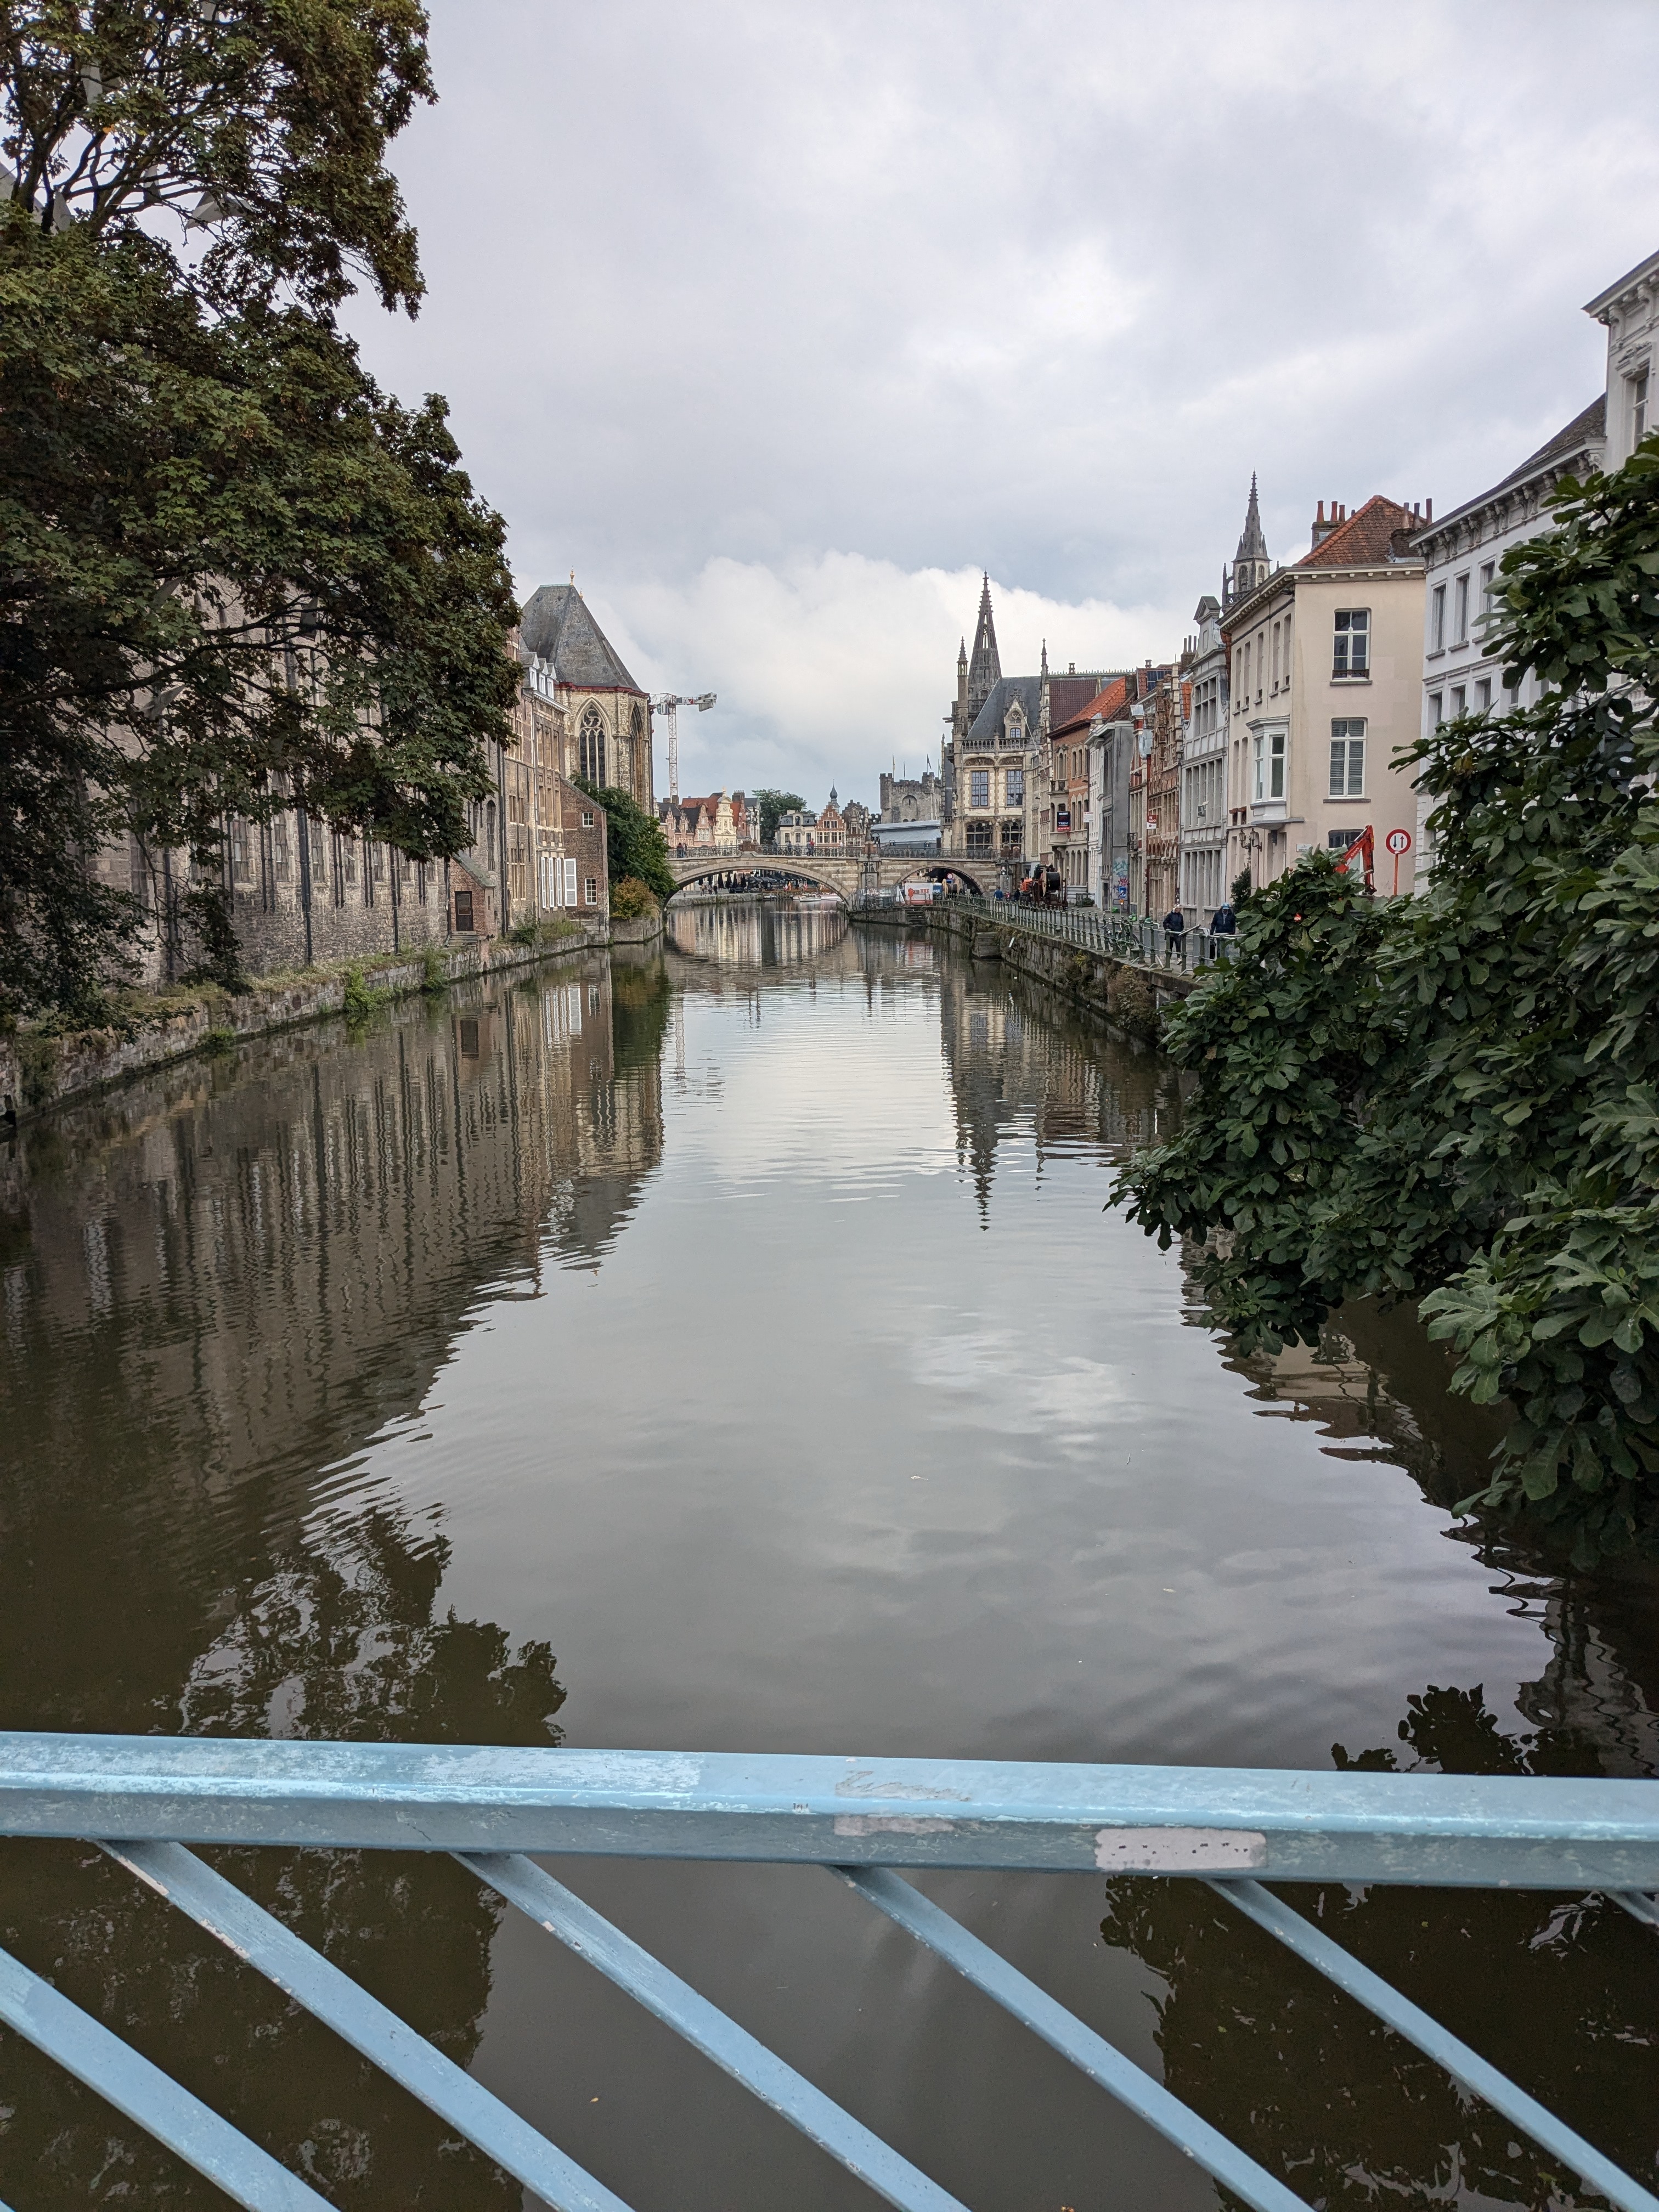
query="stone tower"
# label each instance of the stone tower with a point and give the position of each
(985, 669)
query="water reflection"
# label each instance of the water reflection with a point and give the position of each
(333, 1634)
(757, 932)
(744, 1325)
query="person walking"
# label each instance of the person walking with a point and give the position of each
(1175, 934)
(1223, 922)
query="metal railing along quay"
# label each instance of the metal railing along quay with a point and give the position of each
(144, 1800)
(1115, 936)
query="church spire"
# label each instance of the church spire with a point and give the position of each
(1251, 563)
(985, 669)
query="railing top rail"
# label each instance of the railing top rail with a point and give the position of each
(142, 1797)
(1504, 1830)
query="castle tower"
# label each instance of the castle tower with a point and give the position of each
(1251, 565)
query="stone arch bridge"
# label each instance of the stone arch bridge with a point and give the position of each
(847, 879)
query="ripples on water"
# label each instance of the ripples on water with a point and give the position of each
(743, 1327)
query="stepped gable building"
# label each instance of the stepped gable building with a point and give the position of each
(719, 823)
(1325, 657)
(608, 715)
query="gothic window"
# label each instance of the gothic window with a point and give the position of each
(979, 840)
(979, 786)
(1014, 781)
(591, 744)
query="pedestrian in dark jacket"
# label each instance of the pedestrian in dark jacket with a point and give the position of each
(1223, 922)
(1175, 932)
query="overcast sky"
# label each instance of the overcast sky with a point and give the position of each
(777, 323)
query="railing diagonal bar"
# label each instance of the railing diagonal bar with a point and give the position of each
(330, 1995)
(83, 2046)
(1476, 2074)
(1639, 1906)
(707, 2029)
(1063, 2032)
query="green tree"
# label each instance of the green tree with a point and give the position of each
(238, 576)
(1455, 1098)
(771, 805)
(263, 126)
(634, 843)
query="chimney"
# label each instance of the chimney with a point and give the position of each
(1322, 527)
(1429, 505)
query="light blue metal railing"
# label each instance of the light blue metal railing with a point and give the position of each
(1111, 935)
(144, 1799)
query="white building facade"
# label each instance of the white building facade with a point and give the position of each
(1463, 551)
(1204, 772)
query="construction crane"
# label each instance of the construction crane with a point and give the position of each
(670, 705)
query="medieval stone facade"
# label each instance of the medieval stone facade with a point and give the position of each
(607, 732)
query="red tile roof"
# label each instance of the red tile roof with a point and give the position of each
(1367, 537)
(1108, 704)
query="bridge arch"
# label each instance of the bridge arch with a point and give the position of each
(803, 871)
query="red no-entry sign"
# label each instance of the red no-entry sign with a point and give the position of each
(1398, 841)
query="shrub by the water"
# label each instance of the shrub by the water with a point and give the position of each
(631, 900)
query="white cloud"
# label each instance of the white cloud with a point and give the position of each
(832, 668)
(761, 316)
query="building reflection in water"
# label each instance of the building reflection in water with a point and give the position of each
(233, 1277)
(1023, 1069)
(757, 932)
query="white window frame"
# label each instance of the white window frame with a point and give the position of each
(570, 883)
(1347, 777)
(1269, 761)
(1352, 626)
(1437, 619)
(1460, 609)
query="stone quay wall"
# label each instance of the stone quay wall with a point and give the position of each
(1128, 994)
(40, 1071)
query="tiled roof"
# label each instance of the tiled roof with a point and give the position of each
(1365, 538)
(1108, 704)
(1069, 696)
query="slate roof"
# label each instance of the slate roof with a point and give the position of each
(1586, 428)
(1365, 539)
(557, 625)
(987, 732)
(1108, 704)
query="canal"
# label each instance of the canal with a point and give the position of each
(727, 1348)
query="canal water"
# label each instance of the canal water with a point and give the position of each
(728, 1348)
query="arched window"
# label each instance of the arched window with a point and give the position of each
(590, 737)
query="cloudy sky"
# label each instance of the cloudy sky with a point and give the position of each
(776, 323)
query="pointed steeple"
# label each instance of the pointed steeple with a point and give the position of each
(985, 669)
(1252, 545)
(1251, 563)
